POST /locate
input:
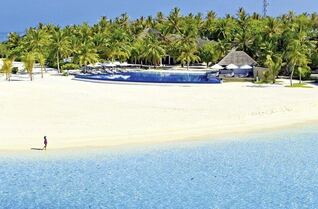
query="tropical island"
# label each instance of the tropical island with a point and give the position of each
(88, 114)
(286, 45)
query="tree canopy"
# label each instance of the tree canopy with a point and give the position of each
(186, 38)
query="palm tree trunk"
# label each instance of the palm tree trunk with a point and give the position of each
(291, 76)
(42, 71)
(207, 64)
(31, 77)
(58, 62)
(188, 63)
(300, 81)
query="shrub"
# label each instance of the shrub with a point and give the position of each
(70, 66)
(266, 77)
(305, 74)
(15, 70)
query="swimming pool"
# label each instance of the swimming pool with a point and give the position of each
(154, 76)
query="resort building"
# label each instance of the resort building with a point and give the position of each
(237, 64)
(238, 58)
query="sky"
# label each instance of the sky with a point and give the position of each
(21, 14)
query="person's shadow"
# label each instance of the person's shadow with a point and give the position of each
(37, 149)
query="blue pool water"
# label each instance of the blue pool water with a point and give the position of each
(154, 77)
(276, 170)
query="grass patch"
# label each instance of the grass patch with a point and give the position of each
(268, 82)
(300, 85)
(227, 80)
(261, 82)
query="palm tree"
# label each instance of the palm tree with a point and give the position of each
(13, 41)
(274, 64)
(188, 55)
(36, 40)
(7, 68)
(209, 53)
(28, 61)
(174, 21)
(244, 40)
(137, 50)
(296, 56)
(120, 45)
(3, 50)
(87, 55)
(60, 46)
(153, 51)
(175, 33)
(41, 59)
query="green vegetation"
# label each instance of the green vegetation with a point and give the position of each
(287, 44)
(299, 85)
(28, 61)
(274, 64)
(69, 66)
(7, 68)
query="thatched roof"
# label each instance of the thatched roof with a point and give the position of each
(149, 31)
(238, 58)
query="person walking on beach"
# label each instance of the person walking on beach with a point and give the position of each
(45, 143)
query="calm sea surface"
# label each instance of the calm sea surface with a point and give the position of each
(275, 170)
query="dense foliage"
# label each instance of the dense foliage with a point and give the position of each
(289, 40)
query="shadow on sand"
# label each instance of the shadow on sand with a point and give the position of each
(37, 149)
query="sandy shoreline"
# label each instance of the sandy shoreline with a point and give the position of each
(80, 114)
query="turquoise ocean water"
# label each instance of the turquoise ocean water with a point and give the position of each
(273, 170)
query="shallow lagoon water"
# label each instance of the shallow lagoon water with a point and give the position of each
(273, 170)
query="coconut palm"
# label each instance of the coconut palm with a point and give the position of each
(87, 54)
(36, 40)
(28, 61)
(153, 51)
(223, 30)
(188, 55)
(3, 50)
(274, 64)
(120, 45)
(42, 60)
(209, 53)
(60, 46)
(7, 68)
(137, 50)
(13, 41)
(296, 57)
(116, 39)
(174, 21)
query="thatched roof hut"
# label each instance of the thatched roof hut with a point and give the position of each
(238, 58)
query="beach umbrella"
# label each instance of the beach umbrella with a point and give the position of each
(246, 67)
(217, 67)
(232, 67)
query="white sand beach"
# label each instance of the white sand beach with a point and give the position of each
(81, 114)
